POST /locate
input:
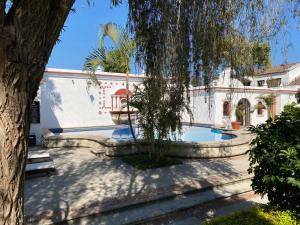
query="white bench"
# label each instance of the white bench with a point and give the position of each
(41, 167)
(38, 157)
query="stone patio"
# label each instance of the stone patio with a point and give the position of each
(85, 184)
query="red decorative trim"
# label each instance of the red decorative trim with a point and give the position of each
(245, 89)
(123, 92)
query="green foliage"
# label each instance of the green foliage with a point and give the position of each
(195, 81)
(291, 111)
(240, 111)
(245, 56)
(178, 39)
(160, 112)
(229, 33)
(143, 162)
(256, 216)
(113, 62)
(275, 159)
(261, 55)
(111, 59)
(268, 100)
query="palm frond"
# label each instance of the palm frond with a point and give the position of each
(95, 59)
(268, 99)
(110, 30)
(112, 59)
(116, 2)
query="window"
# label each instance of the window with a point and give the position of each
(226, 108)
(247, 83)
(35, 112)
(274, 82)
(260, 83)
(260, 108)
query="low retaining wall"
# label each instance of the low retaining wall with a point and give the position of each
(115, 148)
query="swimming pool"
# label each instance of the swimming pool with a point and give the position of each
(198, 141)
(189, 133)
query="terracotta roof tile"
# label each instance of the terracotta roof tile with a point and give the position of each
(276, 69)
(123, 92)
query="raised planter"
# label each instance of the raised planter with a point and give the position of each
(236, 125)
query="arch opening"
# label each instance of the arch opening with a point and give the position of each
(242, 112)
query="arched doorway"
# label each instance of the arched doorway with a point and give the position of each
(242, 112)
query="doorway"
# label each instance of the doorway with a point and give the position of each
(243, 112)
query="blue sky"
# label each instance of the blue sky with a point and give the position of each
(82, 28)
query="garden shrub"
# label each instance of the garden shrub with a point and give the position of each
(259, 215)
(275, 159)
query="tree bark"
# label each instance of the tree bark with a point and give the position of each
(28, 33)
(15, 101)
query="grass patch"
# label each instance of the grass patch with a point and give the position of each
(143, 162)
(259, 215)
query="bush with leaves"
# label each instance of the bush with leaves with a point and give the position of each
(160, 112)
(275, 159)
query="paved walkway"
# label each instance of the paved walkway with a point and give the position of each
(199, 214)
(84, 181)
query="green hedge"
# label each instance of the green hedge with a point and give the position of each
(275, 159)
(259, 215)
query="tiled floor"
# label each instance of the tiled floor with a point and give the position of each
(83, 180)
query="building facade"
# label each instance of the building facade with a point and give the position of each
(219, 104)
(69, 99)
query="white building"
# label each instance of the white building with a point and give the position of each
(218, 106)
(68, 98)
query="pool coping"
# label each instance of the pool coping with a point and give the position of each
(110, 147)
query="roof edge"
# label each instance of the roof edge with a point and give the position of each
(81, 72)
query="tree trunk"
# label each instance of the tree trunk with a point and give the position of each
(15, 101)
(128, 110)
(28, 33)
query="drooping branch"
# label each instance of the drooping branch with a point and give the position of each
(177, 39)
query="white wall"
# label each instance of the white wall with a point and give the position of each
(67, 100)
(284, 99)
(202, 107)
(241, 93)
(200, 103)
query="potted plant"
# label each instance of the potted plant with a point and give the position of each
(239, 112)
(269, 101)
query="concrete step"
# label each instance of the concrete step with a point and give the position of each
(143, 213)
(140, 199)
(212, 209)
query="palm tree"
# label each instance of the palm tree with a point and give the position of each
(113, 59)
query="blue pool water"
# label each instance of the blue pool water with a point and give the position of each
(189, 133)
